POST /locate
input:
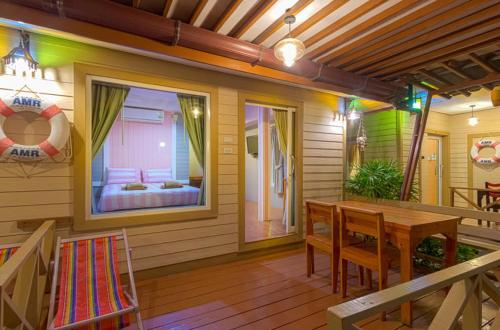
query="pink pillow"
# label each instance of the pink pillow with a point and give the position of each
(157, 175)
(123, 175)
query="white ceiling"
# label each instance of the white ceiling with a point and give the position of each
(461, 104)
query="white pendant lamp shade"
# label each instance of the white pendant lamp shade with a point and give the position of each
(473, 121)
(289, 50)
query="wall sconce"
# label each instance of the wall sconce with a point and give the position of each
(19, 58)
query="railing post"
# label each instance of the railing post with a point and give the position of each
(472, 314)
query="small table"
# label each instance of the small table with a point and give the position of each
(406, 228)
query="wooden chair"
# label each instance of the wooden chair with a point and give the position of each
(374, 256)
(493, 195)
(326, 213)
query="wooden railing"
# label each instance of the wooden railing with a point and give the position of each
(23, 280)
(482, 194)
(468, 281)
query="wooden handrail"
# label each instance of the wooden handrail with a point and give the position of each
(468, 281)
(23, 279)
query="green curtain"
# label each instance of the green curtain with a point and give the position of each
(193, 110)
(107, 102)
(281, 122)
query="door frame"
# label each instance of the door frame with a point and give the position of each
(445, 161)
(248, 97)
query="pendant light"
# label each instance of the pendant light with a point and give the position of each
(19, 58)
(290, 49)
(473, 121)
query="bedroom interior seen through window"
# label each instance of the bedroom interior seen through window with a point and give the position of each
(148, 149)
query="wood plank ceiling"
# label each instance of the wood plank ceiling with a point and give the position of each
(449, 46)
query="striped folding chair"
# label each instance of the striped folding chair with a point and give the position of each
(6, 251)
(88, 287)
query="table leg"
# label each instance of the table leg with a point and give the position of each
(451, 248)
(406, 273)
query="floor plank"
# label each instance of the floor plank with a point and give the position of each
(266, 292)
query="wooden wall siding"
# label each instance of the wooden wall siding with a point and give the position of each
(382, 132)
(458, 129)
(48, 193)
(323, 154)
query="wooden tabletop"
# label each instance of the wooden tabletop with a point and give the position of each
(401, 217)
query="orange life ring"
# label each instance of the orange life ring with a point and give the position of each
(486, 143)
(52, 146)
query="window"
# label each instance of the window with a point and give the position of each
(141, 161)
(147, 149)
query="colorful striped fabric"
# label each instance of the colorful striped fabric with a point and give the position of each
(90, 284)
(6, 253)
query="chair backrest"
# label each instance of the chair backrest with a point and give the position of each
(362, 221)
(319, 212)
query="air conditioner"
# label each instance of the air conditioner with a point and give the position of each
(143, 115)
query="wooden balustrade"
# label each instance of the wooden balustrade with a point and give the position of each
(23, 280)
(468, 280)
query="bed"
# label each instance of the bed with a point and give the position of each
(114, 198)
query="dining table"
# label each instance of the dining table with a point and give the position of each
(405, 229)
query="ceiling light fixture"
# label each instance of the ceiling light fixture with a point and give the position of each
(289, 50)
(19, 58)
(473, 121)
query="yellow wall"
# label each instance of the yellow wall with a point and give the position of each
(48, 191)
(459, 130)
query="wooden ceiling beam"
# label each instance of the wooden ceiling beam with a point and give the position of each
(395, 32)
(490, 78)
(425, 59)
(482, 63)
(139, 32)
(166, 7)
(447, 31)
(259, 10)
(197, 11)
(453, 69)
(442, 56)
(280, 22)
(362, 27)
(321, 14)
(341, 22)
(465, 36)
(227, 13)
(431, 75)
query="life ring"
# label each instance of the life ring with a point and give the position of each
(59, 132)
(486, 143)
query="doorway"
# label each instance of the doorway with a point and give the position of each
(269, 165)
(431, 167)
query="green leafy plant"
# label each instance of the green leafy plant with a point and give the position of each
(433, 249)
(379, 179)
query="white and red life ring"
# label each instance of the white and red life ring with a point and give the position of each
(486, 143)
(53, 145)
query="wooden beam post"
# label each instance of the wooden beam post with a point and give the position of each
(416, 145)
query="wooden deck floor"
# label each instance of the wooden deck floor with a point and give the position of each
(267, 292)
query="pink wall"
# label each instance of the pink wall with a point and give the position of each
(141, 144)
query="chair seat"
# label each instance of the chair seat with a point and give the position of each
(494, 194)
(324, 242)
(90, 284)
(365, 254)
